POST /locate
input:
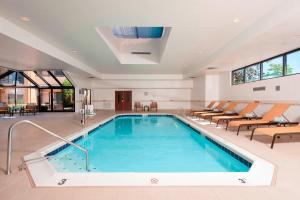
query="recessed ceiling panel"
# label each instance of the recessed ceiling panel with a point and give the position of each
(130, 43)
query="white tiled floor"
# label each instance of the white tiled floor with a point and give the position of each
(285, 156)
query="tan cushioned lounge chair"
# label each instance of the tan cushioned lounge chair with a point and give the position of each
(276, 111)
(276, 131)
(208, 107)
(218, 107)
(229, 108)
(242, 114)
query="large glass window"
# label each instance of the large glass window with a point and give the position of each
(7, 96)
(45, 75)
(252, 73)
(285, 64)
(293, 63)
(238, 76)
(45, 97)
(27, 96)
(69, 98)
(34, 77)
(8, 80)
(22, 81)
(59, 75)
(50, 90)
(272, 68)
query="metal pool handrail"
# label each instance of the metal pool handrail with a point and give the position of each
(9, 143)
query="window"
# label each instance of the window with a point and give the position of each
(34, 77)
(7, 96)
(238, 76)
(49, 90)
(252, 73)
(11, 98)
(22, 81)
(272, 68)
(27, 96)
(293, 63)
(8, 80)
(59, 75)
(68, 99)
(134, 32)
(282, 65)
(45, 75)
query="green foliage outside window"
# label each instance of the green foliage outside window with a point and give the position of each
(252, 73)
(238, 77)
(68, 94)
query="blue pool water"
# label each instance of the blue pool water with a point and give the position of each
(148, 144)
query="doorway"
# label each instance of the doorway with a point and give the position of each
(123, 100)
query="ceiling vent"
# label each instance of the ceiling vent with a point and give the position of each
(141, 52)
(255, 89)
(211, 68)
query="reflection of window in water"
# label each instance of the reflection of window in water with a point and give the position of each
(123, 126)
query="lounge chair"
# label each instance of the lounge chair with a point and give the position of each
(208, 108)
(4, 109)
(153, 106)
(138, 106)
(276, 111)
(249, 109)
(277, 131)
(218, 108)
(228, 110)
(29, 109)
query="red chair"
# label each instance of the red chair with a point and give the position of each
(153, 106)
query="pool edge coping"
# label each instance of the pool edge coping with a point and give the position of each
(52, 173)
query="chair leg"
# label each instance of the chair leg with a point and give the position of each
(227, 124)
(218, 123)
(273, 141)
(251, 137)
(238, 131)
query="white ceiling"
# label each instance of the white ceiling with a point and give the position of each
(203, 32)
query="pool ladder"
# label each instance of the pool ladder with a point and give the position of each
(9, 143)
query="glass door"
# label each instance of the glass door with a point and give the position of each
(57, 100)
(45, 99)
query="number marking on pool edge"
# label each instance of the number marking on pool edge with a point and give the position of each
(154, 181)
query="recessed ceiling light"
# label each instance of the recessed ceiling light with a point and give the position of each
(236, 20)
(25, 19)
(74, 51)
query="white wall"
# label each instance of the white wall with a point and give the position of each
(195, 93)
(170, 94)
(289, 92)
(198, 93)
(206, 88)
(212, 87)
